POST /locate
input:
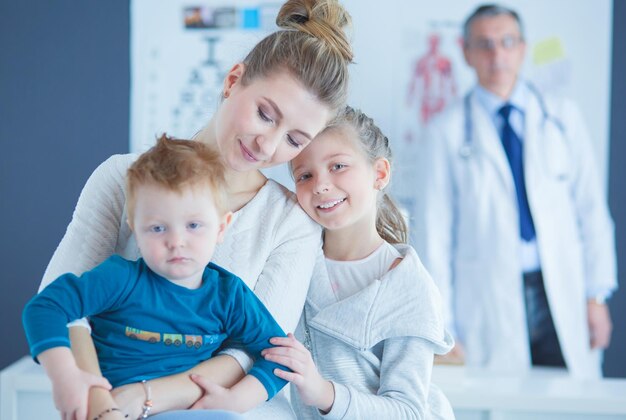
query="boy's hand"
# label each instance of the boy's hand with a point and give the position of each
(313, 389)
(70, 385)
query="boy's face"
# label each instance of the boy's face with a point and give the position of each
(177, 231)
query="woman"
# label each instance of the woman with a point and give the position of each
(275, 102)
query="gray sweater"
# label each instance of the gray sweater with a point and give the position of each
(377, 346)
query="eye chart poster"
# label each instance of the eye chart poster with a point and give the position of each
(180, 53)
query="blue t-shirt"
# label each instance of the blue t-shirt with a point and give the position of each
(145, 326)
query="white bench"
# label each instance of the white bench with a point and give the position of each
(25, 394)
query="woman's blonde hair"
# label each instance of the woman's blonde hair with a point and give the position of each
(311, 45)
(390, 222)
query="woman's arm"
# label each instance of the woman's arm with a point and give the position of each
(90, 238)
(284, 280)
(94, 233)
(84, 352)
(178, 392)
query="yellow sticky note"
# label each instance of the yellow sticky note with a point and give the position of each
(548, 50)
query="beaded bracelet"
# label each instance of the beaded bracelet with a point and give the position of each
(147, 405)
(107, 411)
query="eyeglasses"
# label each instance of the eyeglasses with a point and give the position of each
(508, 42)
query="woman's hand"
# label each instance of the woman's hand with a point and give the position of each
(215, 397)
(241, 397)
(130, 398)
(313, 389)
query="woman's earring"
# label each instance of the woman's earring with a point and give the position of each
(225, 95)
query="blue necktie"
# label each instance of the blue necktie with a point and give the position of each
(513, 148)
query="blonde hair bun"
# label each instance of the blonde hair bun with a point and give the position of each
(322, 19)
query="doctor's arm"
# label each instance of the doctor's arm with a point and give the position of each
(596, 229)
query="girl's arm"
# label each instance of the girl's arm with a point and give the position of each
(404, 391)
(405, 386)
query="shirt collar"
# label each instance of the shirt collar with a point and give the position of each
(492, 103)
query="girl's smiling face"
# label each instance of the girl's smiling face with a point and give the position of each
(335, 181)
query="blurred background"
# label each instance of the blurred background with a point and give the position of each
(77, 85)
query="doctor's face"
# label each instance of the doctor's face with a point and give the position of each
(495, 50)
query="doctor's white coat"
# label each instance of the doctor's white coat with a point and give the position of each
(467, 231)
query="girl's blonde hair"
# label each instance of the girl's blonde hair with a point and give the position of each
(311, 46)
(390, 222)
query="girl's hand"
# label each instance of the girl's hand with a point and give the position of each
(130, 398)
(313, 389)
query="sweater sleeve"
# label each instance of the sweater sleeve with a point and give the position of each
(71, 297)
(597, 231)
(92, 234)
(435, 214)
(404, 392)
(250, 327)
(283, 283)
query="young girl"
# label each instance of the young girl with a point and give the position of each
(373, 320)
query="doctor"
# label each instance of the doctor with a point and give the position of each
(513, 223)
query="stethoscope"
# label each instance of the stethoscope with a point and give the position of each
(467, 148)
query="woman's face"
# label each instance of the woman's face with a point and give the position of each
(267, 122)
